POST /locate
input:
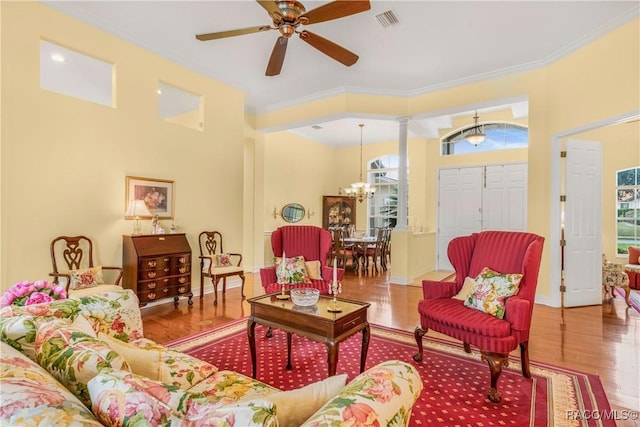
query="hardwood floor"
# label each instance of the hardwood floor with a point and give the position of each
(602, 340)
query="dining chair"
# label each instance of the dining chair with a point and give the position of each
(375, 251)
(340, 250)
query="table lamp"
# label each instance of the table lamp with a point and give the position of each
(136, 210)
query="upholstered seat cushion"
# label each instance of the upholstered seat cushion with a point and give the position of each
(450, 312)
(225, 270)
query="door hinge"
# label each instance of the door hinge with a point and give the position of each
(563, 198)
(563, 154)
(563, 242)
(563, 288)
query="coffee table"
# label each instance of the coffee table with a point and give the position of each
(315, 323)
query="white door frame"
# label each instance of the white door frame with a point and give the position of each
(556, 208)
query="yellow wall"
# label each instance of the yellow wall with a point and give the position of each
(64, 161)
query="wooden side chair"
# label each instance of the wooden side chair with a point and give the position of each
(217, 264)
(74, 267)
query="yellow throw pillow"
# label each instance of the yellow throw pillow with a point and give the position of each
(466, 290)
(294, 407)
(145, 362)
(313, 270)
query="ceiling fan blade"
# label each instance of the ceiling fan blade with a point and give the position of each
(329, 48)
(336, 9)
(232, 33)
(270, 6)
(277, 57)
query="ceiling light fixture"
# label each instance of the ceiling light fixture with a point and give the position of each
(359, 190)
(475, 137)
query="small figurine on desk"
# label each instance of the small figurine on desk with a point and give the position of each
(155, 226)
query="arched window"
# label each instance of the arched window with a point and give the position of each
(627, 209)
(499, 136)
(382, 172)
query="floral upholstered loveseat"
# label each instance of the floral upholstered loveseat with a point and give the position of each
(85, 362)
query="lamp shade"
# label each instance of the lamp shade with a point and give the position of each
(137, 209)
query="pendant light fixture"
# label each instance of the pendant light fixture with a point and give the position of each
(359, 190)
(475, 137)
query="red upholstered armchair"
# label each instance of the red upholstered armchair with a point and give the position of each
(504, 252)
(309, 241)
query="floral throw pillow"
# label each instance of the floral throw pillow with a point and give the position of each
(223, 260)
(490, 291)
(86, 278)
(295, 270)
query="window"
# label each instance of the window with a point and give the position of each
(179, 106)
(499, 136)
(382, 173)
(74, 74)
(628, 209)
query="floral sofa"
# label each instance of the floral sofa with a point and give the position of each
(85, 362)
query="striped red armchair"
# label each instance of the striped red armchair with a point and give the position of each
(443, 308)
(309, 241)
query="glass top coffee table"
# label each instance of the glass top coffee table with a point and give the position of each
(315, 323)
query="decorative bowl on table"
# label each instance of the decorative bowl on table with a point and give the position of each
(305, 297)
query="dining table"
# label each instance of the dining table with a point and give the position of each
(360, 243)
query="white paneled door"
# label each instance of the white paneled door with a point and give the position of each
(473, 199)
(583, 223)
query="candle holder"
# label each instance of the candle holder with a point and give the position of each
(282, 279)
(335, 287)
(283, 295)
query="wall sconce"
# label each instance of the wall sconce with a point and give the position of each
(276, 213)
(310, 213)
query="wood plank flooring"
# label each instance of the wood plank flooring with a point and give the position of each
(602, 340)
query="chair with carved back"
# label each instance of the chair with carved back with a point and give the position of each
(376, 251)
(490, 303)
(74, 267)
(340, 251)
(217, 264)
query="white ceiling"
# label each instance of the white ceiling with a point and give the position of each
(437, 44)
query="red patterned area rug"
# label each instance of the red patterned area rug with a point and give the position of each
(455, 383)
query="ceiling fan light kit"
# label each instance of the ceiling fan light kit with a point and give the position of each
(287, 16)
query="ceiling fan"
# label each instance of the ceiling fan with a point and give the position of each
(287, 16)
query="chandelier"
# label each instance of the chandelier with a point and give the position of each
(475, 137)
(359, 190)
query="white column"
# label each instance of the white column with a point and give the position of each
(403, 184)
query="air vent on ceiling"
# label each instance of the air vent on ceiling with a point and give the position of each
(316, 127)
(387, 18)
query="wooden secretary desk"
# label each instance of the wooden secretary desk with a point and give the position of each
(157, 266)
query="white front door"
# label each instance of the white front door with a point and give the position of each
(583, 223)
(504, 199)
(459, 207)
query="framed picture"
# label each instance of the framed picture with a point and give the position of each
(157, 194)
(338, 211)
